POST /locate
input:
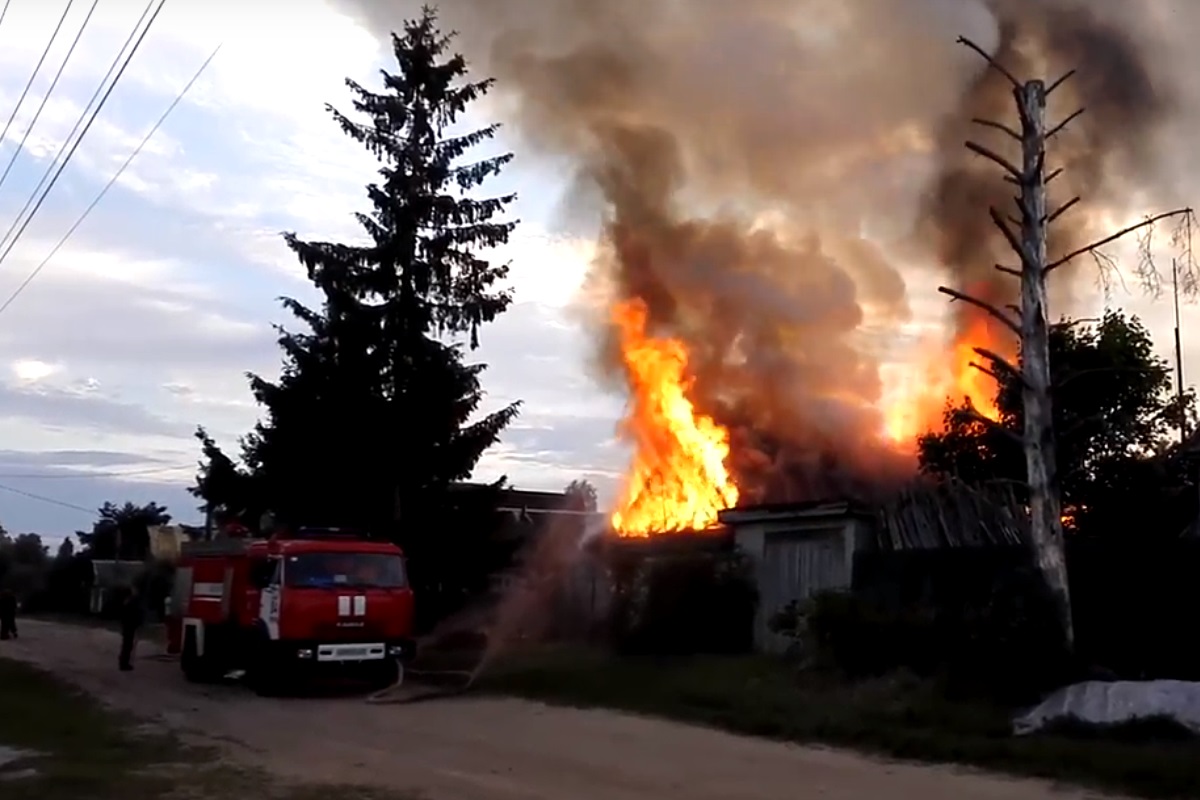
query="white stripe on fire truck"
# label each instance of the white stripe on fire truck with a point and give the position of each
(208, 590)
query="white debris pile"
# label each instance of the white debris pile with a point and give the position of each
(1105, 703)
(12, 761)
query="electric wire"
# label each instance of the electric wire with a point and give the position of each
(37, 69)
(79, 122)
(90, 475)
(66, 160)
(4, 11)
(46, 98)
(50, 500)
(112, 181)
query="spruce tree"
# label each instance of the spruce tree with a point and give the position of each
(372, 416)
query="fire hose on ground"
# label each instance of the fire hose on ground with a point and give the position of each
(391, 694)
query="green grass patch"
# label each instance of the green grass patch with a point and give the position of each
(84, 751)
(897, 717)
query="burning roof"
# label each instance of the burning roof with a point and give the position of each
(779, 185)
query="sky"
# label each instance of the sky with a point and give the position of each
(145, 322)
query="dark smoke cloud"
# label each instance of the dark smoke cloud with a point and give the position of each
(762, 161)
(1108, 155)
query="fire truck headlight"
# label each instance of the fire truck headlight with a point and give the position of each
(304, 653)
(396, 651)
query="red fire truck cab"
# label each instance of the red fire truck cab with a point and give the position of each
(296, 604)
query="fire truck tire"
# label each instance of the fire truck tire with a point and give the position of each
(195, 670)
(263, 681)
(265, 675)
(389, 673)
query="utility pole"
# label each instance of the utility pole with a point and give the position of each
(1031, 324)
(1183, 431)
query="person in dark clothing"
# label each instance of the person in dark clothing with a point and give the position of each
(131, 621)
(8, 614)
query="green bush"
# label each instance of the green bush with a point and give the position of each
(1005, 647)
(684, 603)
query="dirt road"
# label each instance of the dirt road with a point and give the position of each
(490, 749)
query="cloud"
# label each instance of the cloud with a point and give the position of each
(82, 406)
(144, 324)
(56, 492)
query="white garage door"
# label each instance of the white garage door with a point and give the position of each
(796, 566)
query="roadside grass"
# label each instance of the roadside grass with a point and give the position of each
(80, 749)
(898, 717)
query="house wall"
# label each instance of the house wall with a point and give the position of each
(796, 558)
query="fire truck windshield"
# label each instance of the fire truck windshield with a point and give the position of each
(337, 570)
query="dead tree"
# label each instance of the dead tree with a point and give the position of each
(1032, 323)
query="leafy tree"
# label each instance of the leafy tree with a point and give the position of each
(224, 486)
(27, 548)
(1114, 409)
(315, 457)
(122, 531)
(65, 552)
(581, 495)
(375, 413)
(23, 562)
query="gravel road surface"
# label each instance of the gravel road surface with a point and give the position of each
(490, 749)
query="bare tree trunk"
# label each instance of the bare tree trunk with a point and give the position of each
(1033, 326)
(1041, 467)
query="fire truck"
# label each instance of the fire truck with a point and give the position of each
(293, 606)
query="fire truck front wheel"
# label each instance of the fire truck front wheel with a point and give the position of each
(265, 674)
(195, 666)
(388, 673)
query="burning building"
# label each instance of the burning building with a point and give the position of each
(780, 184)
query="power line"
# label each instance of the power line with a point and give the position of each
(86, 475)
(112, 181)
(43, 499)
(54, 83)
(37, 69)
(54, 179)
(83, 115)
(4, 11)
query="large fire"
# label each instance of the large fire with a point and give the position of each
(918, 392)
(679, 478)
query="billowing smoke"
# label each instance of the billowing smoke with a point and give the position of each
(770, 171)
(1107, 156)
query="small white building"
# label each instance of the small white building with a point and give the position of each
(798, 549)
(109, 577)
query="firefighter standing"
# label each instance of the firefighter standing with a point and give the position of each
(8, 614)
(131, 620)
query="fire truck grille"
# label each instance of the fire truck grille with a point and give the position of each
(350, 630)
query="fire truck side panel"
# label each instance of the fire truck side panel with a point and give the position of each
(207, 622)
(247, 595)
(177, 604)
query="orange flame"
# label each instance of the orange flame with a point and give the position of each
(679, 479)
(919, 392)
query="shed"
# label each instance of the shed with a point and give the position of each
(110, 576)
(798, 549)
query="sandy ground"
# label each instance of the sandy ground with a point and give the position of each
(490, 749)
